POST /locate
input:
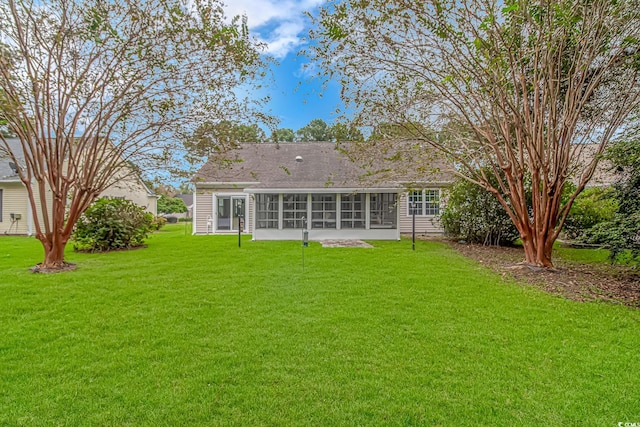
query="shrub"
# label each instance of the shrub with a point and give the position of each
(475, 215)
(621, 233)
(112, 224)
(158, 222)
(593, 206)
(621, 236)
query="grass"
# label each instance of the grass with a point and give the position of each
(196, 331)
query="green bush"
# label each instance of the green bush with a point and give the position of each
(473, 214)
(112, 224)
(158, 222)
(593, 206)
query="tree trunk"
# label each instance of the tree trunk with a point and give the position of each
(54, 246)
(537, 248)
(53, 254)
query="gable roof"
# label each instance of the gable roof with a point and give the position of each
(186, 198)
(7, 173)
(303, 166)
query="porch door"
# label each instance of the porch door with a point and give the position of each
(230, 209)
(238, 212)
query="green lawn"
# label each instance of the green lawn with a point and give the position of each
(196, 331)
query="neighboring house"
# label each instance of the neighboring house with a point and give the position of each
(16, 216)
(604, 175)
(188, 202)
(275, 191)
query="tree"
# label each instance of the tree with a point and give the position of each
(346, 132)
(283, 135)
(168, 205)
(95, 85)
(528, 84)
(315, 131)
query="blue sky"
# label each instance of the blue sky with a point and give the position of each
(281, 24)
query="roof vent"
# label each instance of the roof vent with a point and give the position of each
(13, 167)
(299, 159)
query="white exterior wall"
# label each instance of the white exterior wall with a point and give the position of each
(206, 205)
(133, 190)
(203, 212)
(424, 224)
(14, 201)
(324, 234)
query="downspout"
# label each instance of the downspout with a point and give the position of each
(29, 218)
(251, 205)
(398, 199)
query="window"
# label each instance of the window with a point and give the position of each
(323, 211)
(416, 203)
(294, 210)
(352, 211)
(383, 210)
(424, 203)
(266, 211)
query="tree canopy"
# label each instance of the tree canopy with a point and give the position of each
(315, 131)
(516, 88)
(90, 87)
(283, 135)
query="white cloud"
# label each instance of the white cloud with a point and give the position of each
(280, 24)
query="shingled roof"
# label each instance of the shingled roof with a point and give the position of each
(7, 173)
(303, 165)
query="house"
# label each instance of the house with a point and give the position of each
(188, 202)
(275, 191)
(16, 216)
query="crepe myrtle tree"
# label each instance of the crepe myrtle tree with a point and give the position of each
(514, 89)
(90, 87)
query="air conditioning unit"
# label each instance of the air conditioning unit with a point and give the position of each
(15, 216)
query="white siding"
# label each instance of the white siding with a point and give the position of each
(14, 201)
(204, 212)
(424, 224)
(132, 189)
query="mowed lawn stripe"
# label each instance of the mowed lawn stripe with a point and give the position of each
(194, 330)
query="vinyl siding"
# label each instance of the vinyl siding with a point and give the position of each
(14, 200)
(204, 207)
(424, 224)
(131, 189)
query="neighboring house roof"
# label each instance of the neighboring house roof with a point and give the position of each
(187, 199)
(308, 165)
(7, 173)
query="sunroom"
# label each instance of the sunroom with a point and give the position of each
(326, 215)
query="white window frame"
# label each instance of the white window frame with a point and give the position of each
(426, 203)
(350, 203)
(296, 211)
(386, 210)
(271, 223)
(324, 211)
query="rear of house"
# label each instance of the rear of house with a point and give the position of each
(274, 191)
